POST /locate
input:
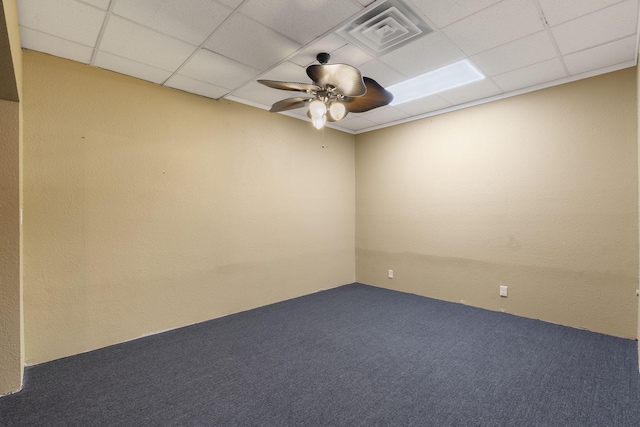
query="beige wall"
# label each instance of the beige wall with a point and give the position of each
(11, 343)
(538, 192)
(10, 290)
(147, 208)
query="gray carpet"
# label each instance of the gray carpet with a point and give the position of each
(351, 356)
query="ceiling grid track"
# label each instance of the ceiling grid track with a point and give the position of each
(112, 4)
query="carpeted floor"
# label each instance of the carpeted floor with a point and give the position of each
(351, 356)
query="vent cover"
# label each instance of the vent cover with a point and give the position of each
(386, 27)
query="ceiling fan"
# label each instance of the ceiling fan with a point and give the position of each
(338, 90)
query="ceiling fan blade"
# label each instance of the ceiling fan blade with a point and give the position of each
(346, 79)
(289, 104)
(376, 96)
(300, 87)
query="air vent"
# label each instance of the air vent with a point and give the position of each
(386, 27)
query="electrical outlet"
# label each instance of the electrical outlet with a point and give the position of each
(503, 291)
(390, 274)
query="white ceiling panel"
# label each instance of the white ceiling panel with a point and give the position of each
(428, 53)
(517, 54)
(288, 72)
(445, 12)
(282, 16)
(424, 105)
(42, 42)
(67, 19)
(189, 20)
(606, 25)
(355, 123)
(247, 41)
(499, 24)
(471, 92)
(209, 67)
(263, 95)
(231, 3)
(327, 44)
(102, 4)
(219, 48)
(195, 86)
(610, 54)
(381, 73)
(350, 54)
(132, 41)
(557, 12)
(531, 76)
(385, 115)
(130, 68)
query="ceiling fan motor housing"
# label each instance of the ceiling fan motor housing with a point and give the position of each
(323, 57)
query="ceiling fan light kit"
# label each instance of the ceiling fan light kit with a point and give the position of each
(338, 89)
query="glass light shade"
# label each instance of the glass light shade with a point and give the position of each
(317, 109)
(318, 122)
(337, 111)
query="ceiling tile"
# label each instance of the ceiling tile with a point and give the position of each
(218, 48)
(557, 12)
(218, 70)
(42, 42)
(102, 4)
(287, 72)
(385, 114)
(428, 53)
(355, 123)
(445, 12)
(263, 95)
(520, 53)
(195, 86)
(350, 54)
(471, 92)
(423, 105)
(132, 41)
(189, 20)
(602, 56)
(67, 19)
(597, 28)
(243, 39)
(283, 16)
(499, 24)
(532, 75)
(130, 68)
(231, 3)
(328, 44)
(381, 73)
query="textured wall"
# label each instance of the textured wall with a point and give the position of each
(147, 208)
(10, 292)
(538, 192)
(11, 344)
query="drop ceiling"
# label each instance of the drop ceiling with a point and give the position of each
(218, 49)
